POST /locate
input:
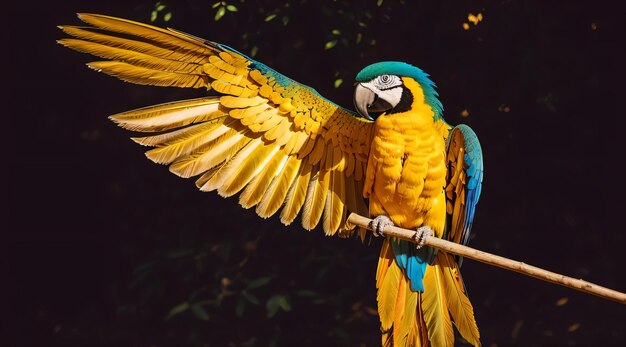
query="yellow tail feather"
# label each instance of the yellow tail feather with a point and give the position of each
(421, 319)
(436, 315)
(398, 306)
(458, 303)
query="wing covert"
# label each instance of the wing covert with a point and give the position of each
(464, 182)
(275, 141)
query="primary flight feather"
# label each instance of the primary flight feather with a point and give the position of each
(282, 146)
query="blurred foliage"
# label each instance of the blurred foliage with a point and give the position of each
(215, 288)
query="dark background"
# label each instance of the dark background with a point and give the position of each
(104, 248)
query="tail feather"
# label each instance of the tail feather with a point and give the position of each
(400, 311)
(436, 315)
(412, 318)
(398, 305)
(457, 301)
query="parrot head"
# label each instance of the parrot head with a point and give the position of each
(380, 89)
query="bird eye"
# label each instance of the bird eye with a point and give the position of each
(384, 82)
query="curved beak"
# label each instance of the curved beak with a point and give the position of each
(363, 99)
(366, 101)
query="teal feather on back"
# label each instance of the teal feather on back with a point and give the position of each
(407, 70)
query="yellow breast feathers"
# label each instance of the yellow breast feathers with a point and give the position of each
(406, 169)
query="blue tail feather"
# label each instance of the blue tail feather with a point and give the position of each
(412, 261)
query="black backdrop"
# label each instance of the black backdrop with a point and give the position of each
(103, 247)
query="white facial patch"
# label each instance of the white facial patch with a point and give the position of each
(392, 96)
(384, 82)
(386, 87)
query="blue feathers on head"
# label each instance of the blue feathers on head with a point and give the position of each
(407, 70)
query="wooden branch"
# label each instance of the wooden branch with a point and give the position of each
(495, 260)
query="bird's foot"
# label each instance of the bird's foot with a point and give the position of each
(379, 224)
(421, 234)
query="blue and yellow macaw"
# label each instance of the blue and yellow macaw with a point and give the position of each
(280, 144)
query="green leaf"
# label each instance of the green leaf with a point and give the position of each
(259, 282)
(254, 51)
(167, 16)
(253, 299)
(336, 32)
(330, 44)
(272, 307)
(276, 303)
(338, 82)
(270, 17)
(284, 304)
(199, 312)
(231, 8)
(216, 4)
(160, 7)
(178, 309)
(220, 13)
(285, 20)
(153, 16)
(379, 3)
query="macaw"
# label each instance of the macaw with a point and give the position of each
(280, 144)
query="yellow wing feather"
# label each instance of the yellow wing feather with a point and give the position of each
(297, 194)
(315, 199)
(334, 211)
(277, 142)
(276, 193)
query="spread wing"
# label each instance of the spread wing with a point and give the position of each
(464, 181)
(274, 140)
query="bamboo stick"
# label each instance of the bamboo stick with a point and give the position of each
(495, 260)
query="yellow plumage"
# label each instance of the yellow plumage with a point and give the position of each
(435, 308)
(276, 193)
(334, 211)
(253, 193)
(315, 199)
(297, 193)
(458, 304)
(388, 293)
